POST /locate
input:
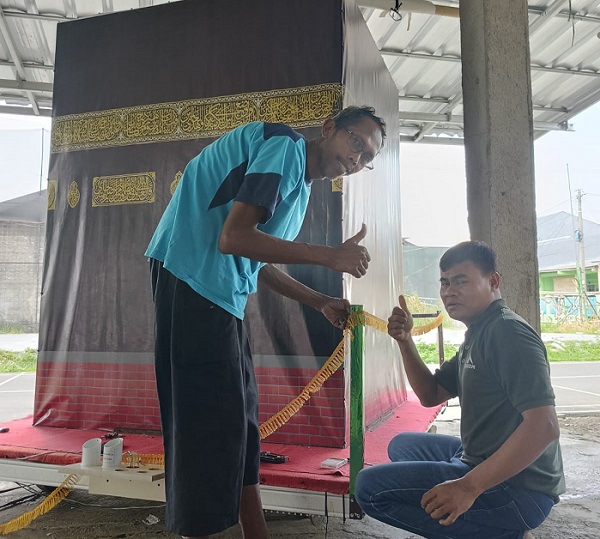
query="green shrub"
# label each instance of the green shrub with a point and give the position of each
(557, 351)
(573, 350)
(18, 361)
(11, 328)
(429, 352)
(590, 327)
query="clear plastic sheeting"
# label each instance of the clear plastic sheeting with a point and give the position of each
(373, 198)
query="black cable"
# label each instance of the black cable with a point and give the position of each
(326, 516)
(9, 489)
(19, 501)
(395, 11)
(32, 489)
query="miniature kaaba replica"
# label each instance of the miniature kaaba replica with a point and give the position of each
(137, 94)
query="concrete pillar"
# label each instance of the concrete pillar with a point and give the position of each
(499, 143)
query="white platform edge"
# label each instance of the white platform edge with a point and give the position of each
(279, 499)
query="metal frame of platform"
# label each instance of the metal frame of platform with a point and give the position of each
(134, 485)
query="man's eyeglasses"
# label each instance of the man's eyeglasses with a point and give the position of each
(356, 146)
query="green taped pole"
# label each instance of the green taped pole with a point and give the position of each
(357, 409)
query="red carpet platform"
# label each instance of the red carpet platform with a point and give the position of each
(51, 445)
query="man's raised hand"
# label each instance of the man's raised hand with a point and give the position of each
(350, 257)
(400, 323)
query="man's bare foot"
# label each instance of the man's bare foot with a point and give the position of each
(528, 535)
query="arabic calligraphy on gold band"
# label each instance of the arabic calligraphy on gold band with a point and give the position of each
(305, 106)
(136, 188)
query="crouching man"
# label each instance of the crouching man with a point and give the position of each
(501, 478)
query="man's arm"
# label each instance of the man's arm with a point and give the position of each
(334, 309)
(240, 236)
(421, 379)
(537, 430)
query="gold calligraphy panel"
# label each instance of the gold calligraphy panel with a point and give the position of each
(305, 106)
(337, 185)
(175, 182)
(138, 188)
(52, 194)
(74, 195)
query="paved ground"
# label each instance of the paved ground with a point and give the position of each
(100, 517)
(17, 342)
(16, 395)
(577, 387)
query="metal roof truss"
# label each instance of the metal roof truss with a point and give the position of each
(421, 50)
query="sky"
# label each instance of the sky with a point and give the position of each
(24, 154)
(433, 197)
(434, 190)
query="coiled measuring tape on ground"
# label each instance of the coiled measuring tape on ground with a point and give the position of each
(53, 499)
(333, 363)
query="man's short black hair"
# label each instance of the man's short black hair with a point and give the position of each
(478, 252)
(351, 115)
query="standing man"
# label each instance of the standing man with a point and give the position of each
(504, 474)
(237, 209)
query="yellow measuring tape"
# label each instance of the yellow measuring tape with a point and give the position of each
(275, 422)
(331, 365)
(53, 499)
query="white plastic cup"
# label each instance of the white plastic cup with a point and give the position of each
(113, 453)
(90, 452)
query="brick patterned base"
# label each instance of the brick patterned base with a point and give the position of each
(123, 397)
(96, 396)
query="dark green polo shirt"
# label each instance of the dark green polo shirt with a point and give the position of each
(501, 370)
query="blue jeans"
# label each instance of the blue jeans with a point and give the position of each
(392, 493)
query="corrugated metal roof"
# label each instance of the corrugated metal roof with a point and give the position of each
(557, 246)
(31, 208)
(421, 51)
(423, 55)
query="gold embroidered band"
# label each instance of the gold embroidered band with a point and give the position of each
(306, 106)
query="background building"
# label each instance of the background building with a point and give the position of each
(559, 253)
(558, 259)
(22, 240)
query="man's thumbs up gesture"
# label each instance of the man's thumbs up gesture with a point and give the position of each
(350, 257)
(400, 323)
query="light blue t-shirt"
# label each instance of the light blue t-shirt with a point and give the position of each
(262, 164)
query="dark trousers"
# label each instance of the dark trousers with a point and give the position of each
(208, 405)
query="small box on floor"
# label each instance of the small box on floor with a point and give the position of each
(333, 463)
